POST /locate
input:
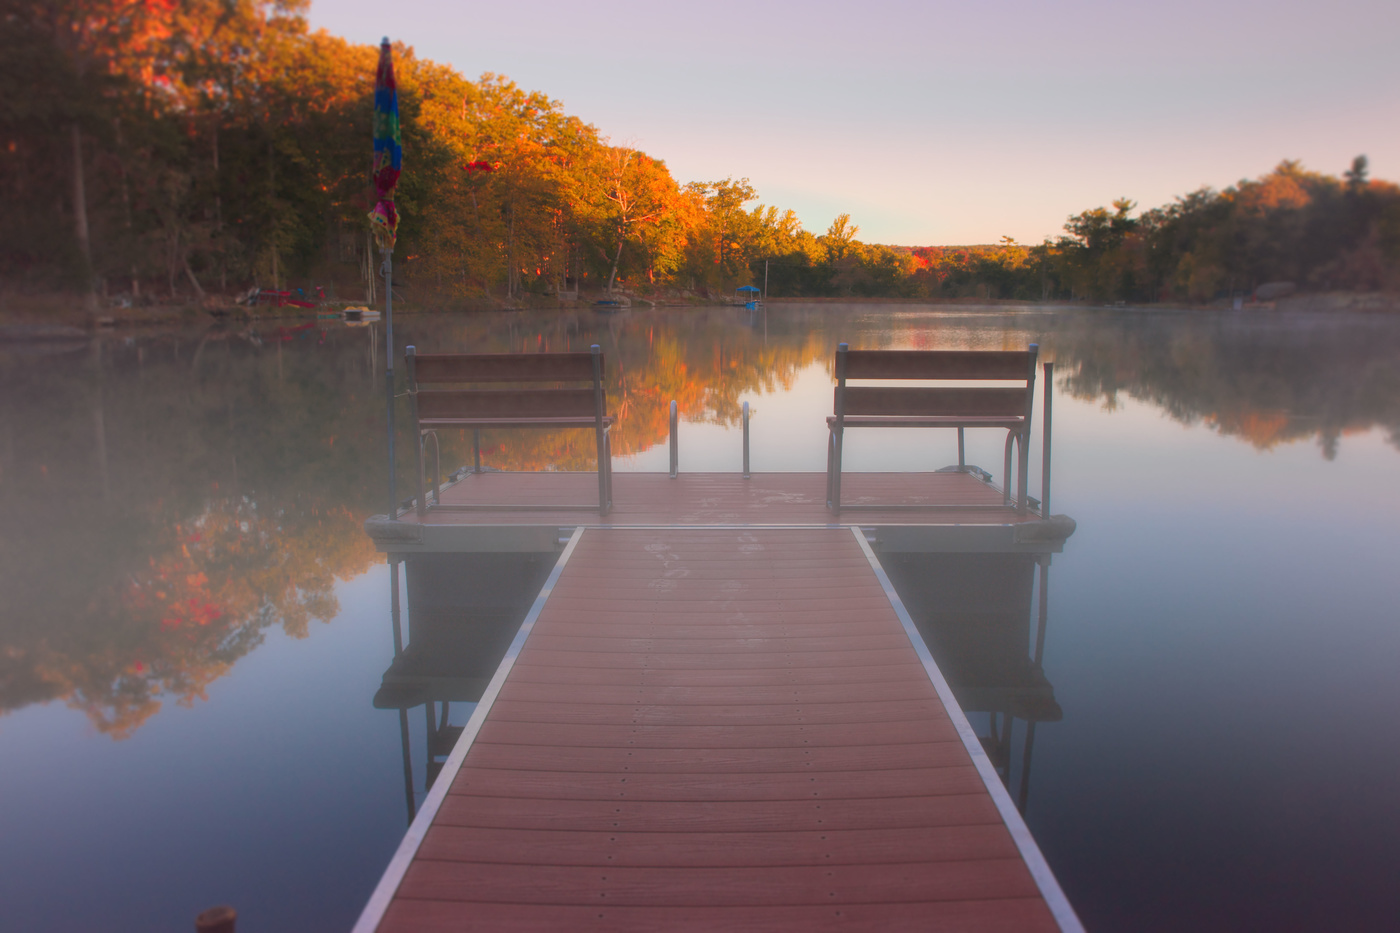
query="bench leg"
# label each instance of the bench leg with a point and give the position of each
(607, 443)
(1023, 467)
(1006, 470)
(604, 472)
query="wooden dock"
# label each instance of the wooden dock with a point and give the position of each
(725, 727)
(968, 512)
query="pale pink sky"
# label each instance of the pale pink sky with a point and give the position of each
(935, 123)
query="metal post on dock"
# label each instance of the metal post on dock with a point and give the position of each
(837, 434)
(675, 451)
(600, 409)
(1023, 448)
(746, 440)
(1045, 442)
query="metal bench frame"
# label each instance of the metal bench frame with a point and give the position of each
(449, 404)
(957, 407)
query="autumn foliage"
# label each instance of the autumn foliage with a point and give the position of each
(174, 149)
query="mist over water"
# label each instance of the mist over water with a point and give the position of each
(195, 626)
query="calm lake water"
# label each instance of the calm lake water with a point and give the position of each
(194, 626)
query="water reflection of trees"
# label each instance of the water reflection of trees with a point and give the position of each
(698, 358)
(1265, 381)
(169, 500)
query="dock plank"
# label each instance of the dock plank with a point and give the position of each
(721, 761)
(699, 849)
(1006, 915)
(746, 885)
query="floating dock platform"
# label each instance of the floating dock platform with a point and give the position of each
(718, 714)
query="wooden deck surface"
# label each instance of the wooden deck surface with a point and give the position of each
(724, 499)
(716, 729)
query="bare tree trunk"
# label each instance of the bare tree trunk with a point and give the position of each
(617, 258)
(218, 210)
(272, 205)
(510, 257)
(80, 219)
(198, 291)
(172, 268)
(126, 211)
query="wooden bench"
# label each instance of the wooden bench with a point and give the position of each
(454, 390)
(943, 406)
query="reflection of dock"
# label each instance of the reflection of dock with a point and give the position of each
(974, 611)
(702, 728)
(462, 618)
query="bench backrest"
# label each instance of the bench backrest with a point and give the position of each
(449, 373)
(936, 365)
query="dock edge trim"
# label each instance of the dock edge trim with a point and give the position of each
(388, 886)
(1050, 890)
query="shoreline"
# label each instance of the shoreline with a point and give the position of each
(56, 310)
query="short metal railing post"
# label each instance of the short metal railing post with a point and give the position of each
(1024, 460)
(476, 450)
(1045, 442)
(599, 413)
(962, 452)
(675, 451)
(838, 434)
(746, 440)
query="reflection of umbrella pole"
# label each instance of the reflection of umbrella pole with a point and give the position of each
(389, 374)
(1026, 767)
(394, 613)
(407, 764)
(394, 605)
(1044, 611)
(99, 422)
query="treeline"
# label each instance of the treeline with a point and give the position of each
(174, 149)
(187, 147)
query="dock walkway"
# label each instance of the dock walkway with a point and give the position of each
(718, 729)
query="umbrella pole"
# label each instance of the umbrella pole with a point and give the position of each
(388, 270)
